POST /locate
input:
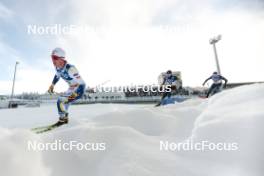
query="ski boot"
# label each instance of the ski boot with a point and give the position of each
(62, 120)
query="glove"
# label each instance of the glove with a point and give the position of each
(51, 88)
(72, 96)
(173, 87)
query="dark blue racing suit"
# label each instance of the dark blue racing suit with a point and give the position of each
(217, 83)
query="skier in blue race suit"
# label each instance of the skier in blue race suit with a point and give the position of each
(71, 75)
(169, 79)
(217, 83)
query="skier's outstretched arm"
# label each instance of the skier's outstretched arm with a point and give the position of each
(223, 78)
(206, 80)
(54, 81)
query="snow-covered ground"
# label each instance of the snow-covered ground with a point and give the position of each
(133, 134)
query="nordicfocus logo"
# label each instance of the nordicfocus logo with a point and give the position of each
(135, 88)
(58, 29)
(189, 145)
(72, 29)
(58, 145)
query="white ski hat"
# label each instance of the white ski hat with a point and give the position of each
(59, 52)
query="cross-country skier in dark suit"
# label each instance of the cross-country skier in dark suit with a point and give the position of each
(217, 83)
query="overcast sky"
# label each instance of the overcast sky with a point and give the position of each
(131, 41)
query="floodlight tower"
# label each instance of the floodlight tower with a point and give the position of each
(14, 80)
(213, 42)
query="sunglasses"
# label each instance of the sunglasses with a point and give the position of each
(56, 58)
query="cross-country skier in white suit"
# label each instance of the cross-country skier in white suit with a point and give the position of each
(70, 74)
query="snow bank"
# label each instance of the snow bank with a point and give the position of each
(237, 116)
(15, 159)
(132, 135)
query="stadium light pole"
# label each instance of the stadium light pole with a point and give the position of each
(14, 80)
(213, 42)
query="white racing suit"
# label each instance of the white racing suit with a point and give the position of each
(76, 87)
